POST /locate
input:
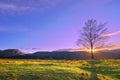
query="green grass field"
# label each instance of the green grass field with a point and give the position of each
(59, 69)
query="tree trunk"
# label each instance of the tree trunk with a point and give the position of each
(92, 53)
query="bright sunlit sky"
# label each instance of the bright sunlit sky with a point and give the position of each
(52, 24)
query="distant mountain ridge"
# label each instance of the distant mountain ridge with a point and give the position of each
(17, 54)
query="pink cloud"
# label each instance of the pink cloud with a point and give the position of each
(112, 33)
(26, 5)
(13, 7)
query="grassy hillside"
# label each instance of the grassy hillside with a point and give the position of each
(59, 69)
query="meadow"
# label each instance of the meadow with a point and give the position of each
(23, 69)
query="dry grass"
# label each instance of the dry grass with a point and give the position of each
(13, 69)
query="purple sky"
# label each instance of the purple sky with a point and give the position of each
(52, 24)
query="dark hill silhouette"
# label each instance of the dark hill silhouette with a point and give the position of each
(63, 55)
(108, 54)
(17, 54)
(10, 52)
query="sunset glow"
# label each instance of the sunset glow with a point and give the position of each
(96, 50)
(54, 24)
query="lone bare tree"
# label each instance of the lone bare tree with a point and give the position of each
(92, 36)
